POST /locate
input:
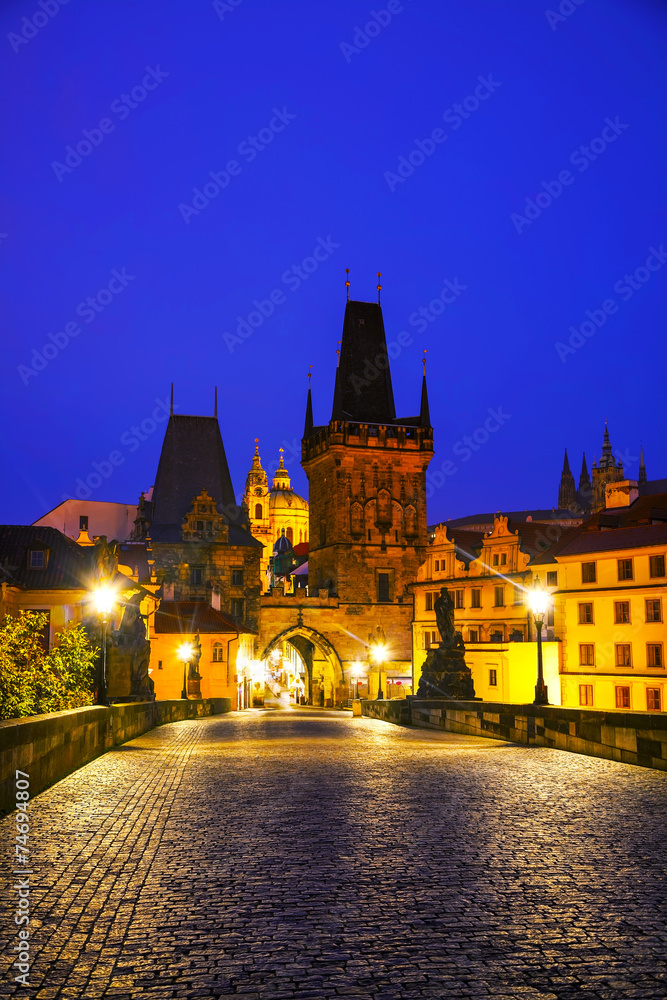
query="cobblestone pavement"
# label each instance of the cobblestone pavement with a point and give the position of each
(308, 854)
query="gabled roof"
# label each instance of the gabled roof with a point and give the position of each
(68, 565)
(183, 617)
(192, 460)
(640, 536)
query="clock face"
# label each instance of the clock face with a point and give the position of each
(258, 491)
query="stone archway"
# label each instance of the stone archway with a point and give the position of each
(324, 669)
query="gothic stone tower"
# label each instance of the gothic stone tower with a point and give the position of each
(367, 474)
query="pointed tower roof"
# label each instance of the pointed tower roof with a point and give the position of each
(192, 460)
(566, 464)
(606, 459)
(281, 477)
(424, 414)
(308, 425)
(642, 479)
(365, 388)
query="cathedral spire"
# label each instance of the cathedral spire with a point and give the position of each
(567, 494)
(607, 458)
(424, 415)
(641, 479)
(308, 425)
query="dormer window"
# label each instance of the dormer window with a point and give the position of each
(37, 559)
(83, 522)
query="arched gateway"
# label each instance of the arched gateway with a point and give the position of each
(317, 669)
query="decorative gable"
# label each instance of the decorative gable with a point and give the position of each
(203, 522)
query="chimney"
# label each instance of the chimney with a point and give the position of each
(215, 598)
(621, 494)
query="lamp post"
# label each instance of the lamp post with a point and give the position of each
(377, 652)
(184, 653)
(104, 597)
(539, 602)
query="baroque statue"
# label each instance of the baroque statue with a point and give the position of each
(445, 674)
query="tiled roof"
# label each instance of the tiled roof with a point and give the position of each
(68, 566)
(520, 516)
(359, 397)
(616, 538)
(193, 616)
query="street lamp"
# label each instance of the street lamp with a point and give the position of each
(185, 653)
(539, 602)
(105, 598)
(377, 652)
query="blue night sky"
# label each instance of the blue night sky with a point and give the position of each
(306, 116)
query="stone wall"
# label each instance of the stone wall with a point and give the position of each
(48, 747)
(629, 737)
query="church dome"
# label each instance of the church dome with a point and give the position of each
(283, 545)
(286, 501)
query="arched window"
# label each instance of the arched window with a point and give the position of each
(356, 519)
(217, 652)
(258, 512)
(290, 534)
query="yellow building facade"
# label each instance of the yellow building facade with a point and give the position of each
(610, 605)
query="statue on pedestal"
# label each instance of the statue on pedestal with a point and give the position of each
(445, 674)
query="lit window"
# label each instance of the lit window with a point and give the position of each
(493, 678)
(622, 697)
(499, 597)
(588, 572)
(654, 657)
(458, 598)
(552, 578)
(623, 654)
(586, 654)
(654, 611)
(585, 614)
(622, 612)
(653, 699)
(475, 598)
(217, 652)
(657, 565)
(625, 569)
(585, 694)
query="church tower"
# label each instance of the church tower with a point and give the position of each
(256, 502)
(585, 490)
(604, 472)
(367, 475)
(567, 494)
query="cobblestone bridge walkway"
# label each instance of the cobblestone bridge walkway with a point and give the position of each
(303, 854)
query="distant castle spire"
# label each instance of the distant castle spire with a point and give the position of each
(308, 425)
(424, 414)
(641, 479)
(567, 494)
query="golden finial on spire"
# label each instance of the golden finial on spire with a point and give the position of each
(379, 287)
(424, 359)
(310, 375)
(338, 356)
(347, 283)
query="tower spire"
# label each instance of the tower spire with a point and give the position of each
(379, 287)
(171, 405)
(308, 426)
(567, 494)
(424, 414)
(347, 283)
(641, 479)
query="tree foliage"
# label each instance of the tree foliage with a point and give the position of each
(32, 680)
